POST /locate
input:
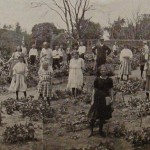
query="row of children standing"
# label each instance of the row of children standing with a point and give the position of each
(19, 65)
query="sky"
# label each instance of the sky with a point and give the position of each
(12, 11)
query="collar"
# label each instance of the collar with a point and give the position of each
(101, 45)
(103, 77)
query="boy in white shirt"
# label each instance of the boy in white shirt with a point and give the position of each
(33, 54)
(56, 57)
(81, 50)
(61, 54)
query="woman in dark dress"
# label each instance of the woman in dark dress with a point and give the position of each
(102, 100)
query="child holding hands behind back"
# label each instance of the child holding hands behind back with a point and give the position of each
(45, 85)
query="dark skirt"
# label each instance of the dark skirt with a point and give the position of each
(32, 59)
(68, 57)
(56, 63)
(100, 61)
(99, 109)
(82, 56)
(61, 59)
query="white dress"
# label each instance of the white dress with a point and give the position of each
(125, 59)
(75, 79)
(46, 55)
(18, 81)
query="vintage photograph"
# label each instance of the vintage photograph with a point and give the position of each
(74, 75)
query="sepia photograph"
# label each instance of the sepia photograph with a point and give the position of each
(74, 75)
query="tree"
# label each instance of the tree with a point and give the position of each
(90, 30)
(115, 30)
(43, 32)
(5, 26)
(18, 28)
(71, 13)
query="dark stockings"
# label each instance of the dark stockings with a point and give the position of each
(147, 95)
(127, 77)
(122, 77)
(17, 94)
(48, 101)
(92, 123)
(75, 92)
(101, 123)
(142, 69)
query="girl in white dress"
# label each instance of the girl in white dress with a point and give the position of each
(18, 83)
(75, 80)
(46, 55)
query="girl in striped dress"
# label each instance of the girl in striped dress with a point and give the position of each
(44, 85)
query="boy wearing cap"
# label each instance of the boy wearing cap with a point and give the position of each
(101, 51)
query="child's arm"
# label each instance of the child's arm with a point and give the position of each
(14, 73)
(40, 74)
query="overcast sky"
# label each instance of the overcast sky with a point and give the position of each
(12, 11)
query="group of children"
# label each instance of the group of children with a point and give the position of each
(19, 71)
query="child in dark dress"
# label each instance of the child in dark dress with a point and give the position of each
(102, 97)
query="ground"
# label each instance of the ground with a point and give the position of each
(54, 136)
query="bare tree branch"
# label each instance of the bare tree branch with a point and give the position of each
(70, 15)
(66, 16)
(42, 4)
(61, 8)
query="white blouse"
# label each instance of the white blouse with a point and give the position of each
(33, 52)
(20, 68)
(77, 63)
(46, 54)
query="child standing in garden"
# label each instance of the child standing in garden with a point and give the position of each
(75, 80)
(147, 87)
(142, 62)
(45, 85)
(18, 83)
